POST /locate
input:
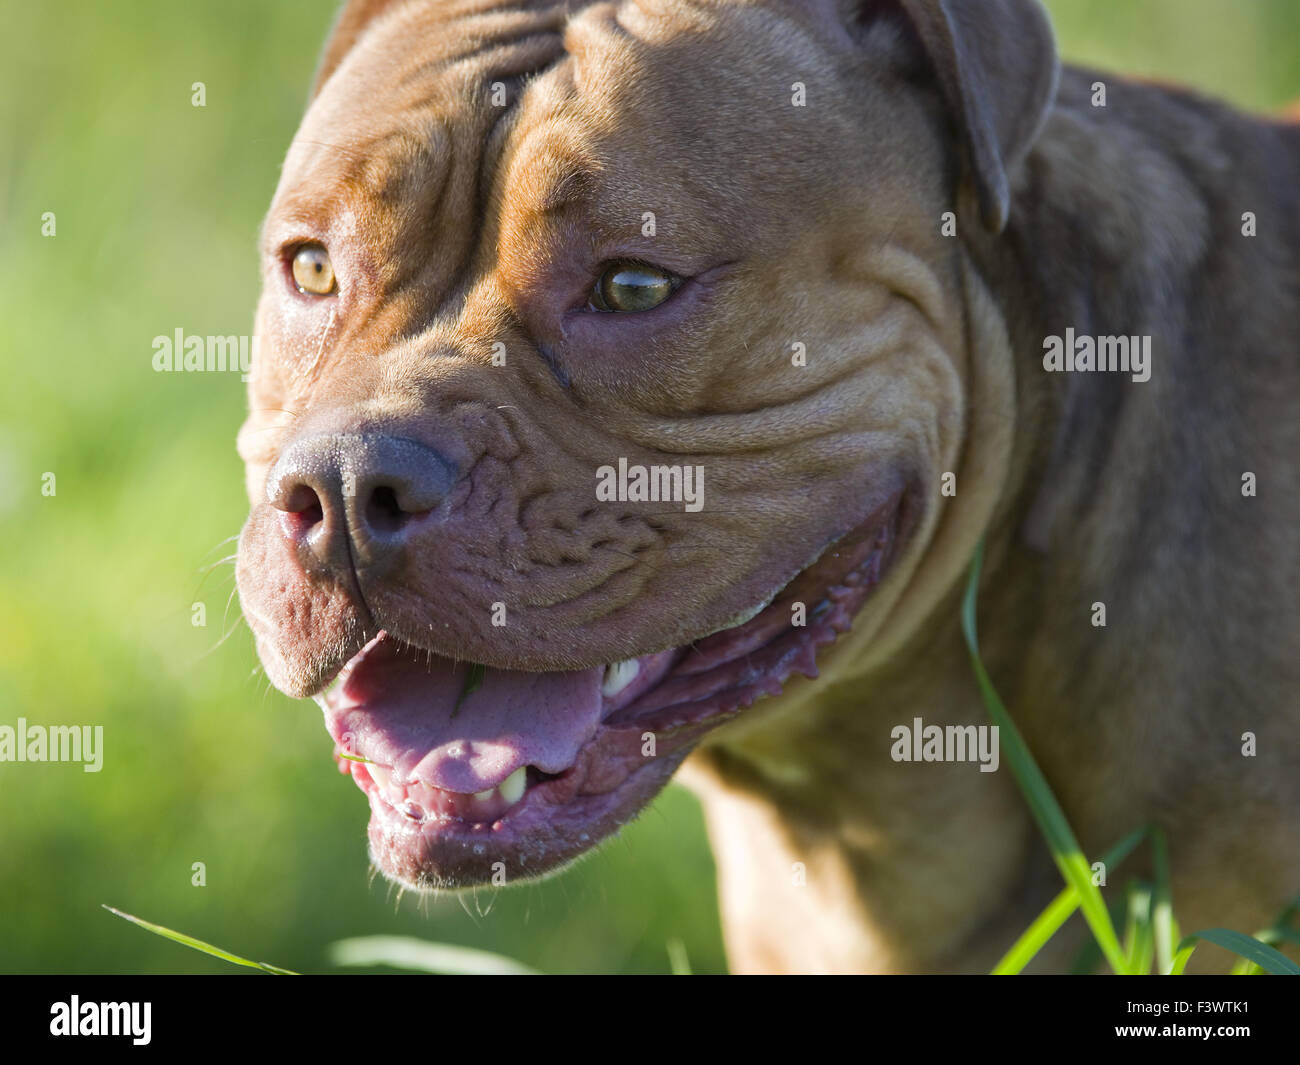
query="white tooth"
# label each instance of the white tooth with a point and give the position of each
(483, 796)
(619, 676)
(512, 788)
(381, 775)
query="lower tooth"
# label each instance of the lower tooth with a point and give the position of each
(512, 788)
(618, 676)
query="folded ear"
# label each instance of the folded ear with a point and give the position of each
(350, 23)
(996, 66)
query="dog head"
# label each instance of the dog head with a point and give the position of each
(608, 365)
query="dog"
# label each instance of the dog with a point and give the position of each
(637, 381)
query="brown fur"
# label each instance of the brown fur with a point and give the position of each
(924, 357)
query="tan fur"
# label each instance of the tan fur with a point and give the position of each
(449, 217)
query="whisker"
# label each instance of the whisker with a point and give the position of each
(229, 632)
(226, 613)
(221, 543)
(218, 564)
(465, 906)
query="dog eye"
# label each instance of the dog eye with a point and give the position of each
(628, 287)
(312, 270)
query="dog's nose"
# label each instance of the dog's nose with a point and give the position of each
(351, 498)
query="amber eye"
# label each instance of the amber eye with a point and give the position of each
(630, 287)
(312, 270)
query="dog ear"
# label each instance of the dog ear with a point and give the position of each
(996, 66)
(350, 23)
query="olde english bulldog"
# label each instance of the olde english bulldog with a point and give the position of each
(636, 381)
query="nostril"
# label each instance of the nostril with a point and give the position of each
(301, 499)
(384, 513)
(300, 511)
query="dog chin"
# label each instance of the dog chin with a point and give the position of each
(482, 775)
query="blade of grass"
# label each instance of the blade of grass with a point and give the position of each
(406, 952)
(1277, 932)
(198, 944)
(1239, 943)
(1065, 849)
(678, 962)
(1242, 967)
(1034, 937)
(473, 681)
(1057, 913)
(1088, 959)
(1138, 938)
(1162, 917)
(1269, 936)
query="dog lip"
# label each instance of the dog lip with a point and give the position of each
(340, 664)
(553, 823)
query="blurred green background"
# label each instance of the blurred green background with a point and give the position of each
(157, 208)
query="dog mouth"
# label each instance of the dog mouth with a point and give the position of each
(479, 775)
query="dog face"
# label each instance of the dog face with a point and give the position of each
(606, 365)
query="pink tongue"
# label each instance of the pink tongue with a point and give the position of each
(396, 708)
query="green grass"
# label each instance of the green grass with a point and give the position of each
(199, 945)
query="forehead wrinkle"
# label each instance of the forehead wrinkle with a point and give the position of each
(408, 164)
(550, 166)
(488, 45)
(626, 27)
(406, 168)
(437, 34)
(573, 184)
(550, 148)
(537, 158)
